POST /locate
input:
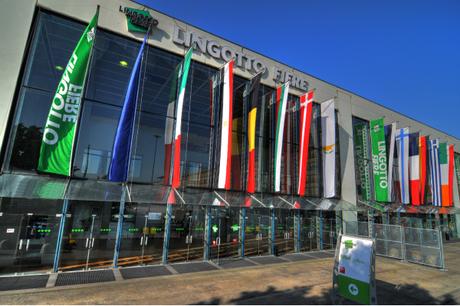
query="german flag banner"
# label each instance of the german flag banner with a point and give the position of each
(252, 92)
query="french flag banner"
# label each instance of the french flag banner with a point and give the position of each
(435, 177)
(225, 159)
(414, 170)
(402, 145)
(423, 161)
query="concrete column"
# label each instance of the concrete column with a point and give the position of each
(347, 161)
(272, 230)
(297, 229)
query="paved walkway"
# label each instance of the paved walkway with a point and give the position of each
(295, 282)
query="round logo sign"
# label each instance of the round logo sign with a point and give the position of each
(353, 289)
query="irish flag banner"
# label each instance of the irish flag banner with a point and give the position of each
(56, 149)
(182, 75)
(379, 160)
(444, 166)
(281, 102)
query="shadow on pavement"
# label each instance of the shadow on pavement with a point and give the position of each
(387, 294)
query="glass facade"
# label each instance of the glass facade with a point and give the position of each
(205, 224)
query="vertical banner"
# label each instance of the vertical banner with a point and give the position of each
(390, 134)
(182, 75)
(444, 166)
(281, 103)
(169, 128)
(252, 93)
(451, 174)
(457, 170)
(121, 152)
(423, 160)
(225, 160)
(328, 145)
(402, 145)
(306, 106)
(414, 168)
(435, 172)
(379, 160)
(56, 150)
(361, 143)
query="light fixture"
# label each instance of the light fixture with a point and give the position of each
(123, 64)
(58, 67)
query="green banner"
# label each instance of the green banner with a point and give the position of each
(379, 160)
(457, 169)
(59, 134)
(361, 141)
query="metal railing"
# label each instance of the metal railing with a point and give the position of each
(417, 245)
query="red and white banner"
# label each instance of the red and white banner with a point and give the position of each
(306, 104)
(225, 160)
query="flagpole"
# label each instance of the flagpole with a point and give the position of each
(85, 82)
(125, 183)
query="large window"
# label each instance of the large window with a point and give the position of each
(53, 41)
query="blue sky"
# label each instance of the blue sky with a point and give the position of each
(404, 55)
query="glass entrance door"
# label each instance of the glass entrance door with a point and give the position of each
(329, 230)
(257, 232)
(284, 233)
(225, 225)
(308, 241)
(28, 233)
(142, 234)
(89, 235)
(187, 233)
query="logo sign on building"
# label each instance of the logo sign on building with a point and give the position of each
(361, 142)
(138, 20)
(243, 60)
(354, 273)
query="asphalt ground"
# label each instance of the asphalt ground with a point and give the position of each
(294, 280)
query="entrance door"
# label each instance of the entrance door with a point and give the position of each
(225, 225)
(308, 241)
(257, 232)
(187, 233)
(142, 234)
(284, 233)
(89, 235)
(329, 230)
(28, 238)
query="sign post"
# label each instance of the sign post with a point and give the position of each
(354, 269)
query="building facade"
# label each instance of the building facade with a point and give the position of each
(53, 223)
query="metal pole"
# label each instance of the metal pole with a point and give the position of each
(167, 234)
(57, 253)
(207, 234)
(272, 232)
(242, 230)
(297, 230)
(321, 230)
(121, 212)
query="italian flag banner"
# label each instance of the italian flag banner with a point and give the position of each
(379, 160)
(446, 173)
(56, 151)
(182, 75)
(281, 102)
(361, 143)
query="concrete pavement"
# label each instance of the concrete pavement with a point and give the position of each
(298, 282)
